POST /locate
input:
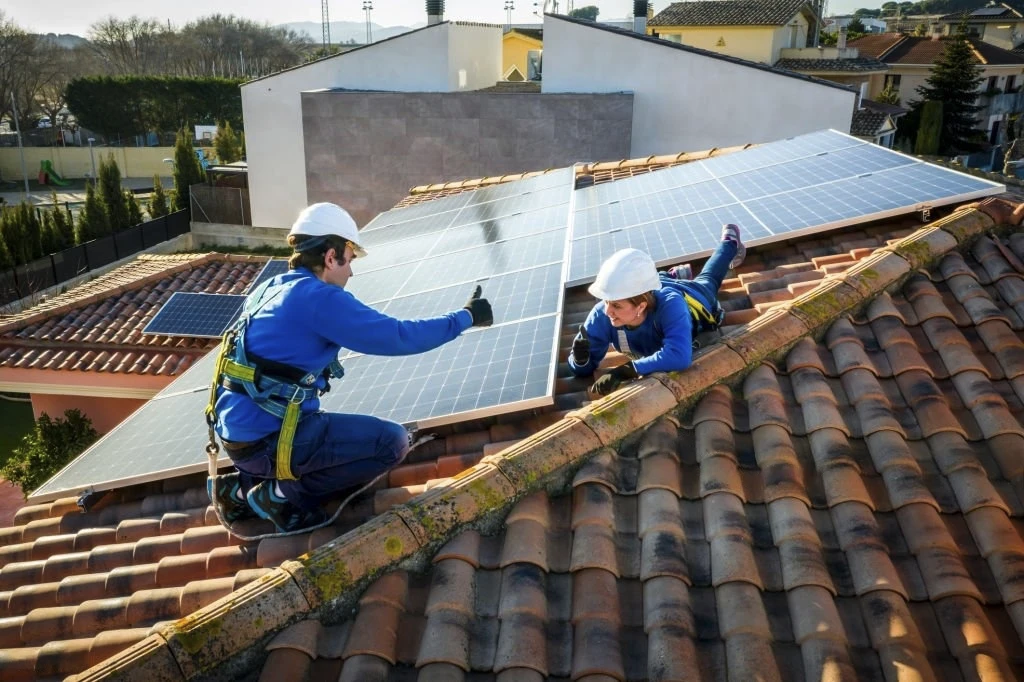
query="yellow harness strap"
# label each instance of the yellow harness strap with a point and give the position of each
(284, 442)
(698, 310)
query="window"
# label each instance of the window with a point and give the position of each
(672, 37)
(993, 83)
(1011, 82)
(893, 81)
(975, 30)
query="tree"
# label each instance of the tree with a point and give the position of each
(51, 445)
(889, 95)
(112, 195)
(954, 82)
(127, 46)
(921, 31)
(856, 26)
(589, 13)
(133, 209)
(58, 231)
(92, 220)
(22, 233)
(227, 144)
(930, 132)
(157, 200)
(187, 171)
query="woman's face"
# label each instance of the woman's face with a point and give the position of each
(624, 313)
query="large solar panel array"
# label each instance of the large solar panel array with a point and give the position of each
(514, 240)
(785, 189)
(201, 315)
(510, 239)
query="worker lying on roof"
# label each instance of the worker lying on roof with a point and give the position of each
(276, 362)
(653, 318)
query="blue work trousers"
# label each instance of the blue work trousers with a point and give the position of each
(330, 454)
(711, 276)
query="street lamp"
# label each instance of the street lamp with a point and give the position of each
(92, 158)
(368, 7)
(509, 6)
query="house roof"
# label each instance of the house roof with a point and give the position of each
(868, 123)
(730, 13)
(991, 12)
(897, 48)
(857, 65)
(894, 110)
(534, 33)
(97, 327)
(694, 50)
(805, 437)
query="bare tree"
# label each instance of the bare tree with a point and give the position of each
(128, 46)
(16, 49)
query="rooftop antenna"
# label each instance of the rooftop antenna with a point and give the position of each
(325, 20)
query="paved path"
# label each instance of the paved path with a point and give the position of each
(77, 196)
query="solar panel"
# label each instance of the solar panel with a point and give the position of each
(200, 315)
(988, 12)
(784, 189)
(273, 268)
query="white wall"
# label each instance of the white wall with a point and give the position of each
(474, 56)
(415, 62)
(685, 101)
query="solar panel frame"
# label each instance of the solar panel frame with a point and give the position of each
(272, 268)
(196, 315)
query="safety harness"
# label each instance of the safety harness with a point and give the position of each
(275, 387)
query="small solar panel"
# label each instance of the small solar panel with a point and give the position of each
(988, 12)
(200, 315)
(273, 268)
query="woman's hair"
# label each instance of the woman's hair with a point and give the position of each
(646, 297)
(312, 258)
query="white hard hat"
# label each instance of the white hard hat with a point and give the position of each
(324, 219)
(628, 273)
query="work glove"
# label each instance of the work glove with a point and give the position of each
(581, 348)
(615, 378)
(479, 309)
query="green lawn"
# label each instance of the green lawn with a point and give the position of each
(16, 420)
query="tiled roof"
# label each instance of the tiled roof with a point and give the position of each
(867, 123)
(902, 49)
(982, 14)
(535, 33)
(858, 65)
(78, 587)
(97, 327)
(891, 109)
(591, 173)
(729, 13)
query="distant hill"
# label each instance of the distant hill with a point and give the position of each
(345, 31)
(66, 40)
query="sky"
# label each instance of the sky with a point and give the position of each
(65, 16)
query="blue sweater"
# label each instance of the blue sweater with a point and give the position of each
(305, 326)
(663, 342)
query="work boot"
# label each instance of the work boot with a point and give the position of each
(230, 503)
(285, 516)
(684, 271)
(732, 232)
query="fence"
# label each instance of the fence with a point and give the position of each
(225, 205)
(70, 263)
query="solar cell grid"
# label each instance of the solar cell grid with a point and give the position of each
(651, 207)
(202, 315)
(508, 366)
(273, 268)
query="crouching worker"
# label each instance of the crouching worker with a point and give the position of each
(277, 361)
(652, 318)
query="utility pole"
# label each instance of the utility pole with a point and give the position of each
(509, 6)
(21, 147)
(368, 8)
(325, 20)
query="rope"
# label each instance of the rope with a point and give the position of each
(213, 449)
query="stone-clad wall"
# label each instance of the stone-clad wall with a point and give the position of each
(364, 150)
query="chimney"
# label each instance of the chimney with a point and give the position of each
(435, 12)
(841, 42)
(640, 16)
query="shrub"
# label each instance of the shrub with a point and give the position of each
(51, 445)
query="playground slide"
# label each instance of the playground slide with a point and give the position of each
(48, 176)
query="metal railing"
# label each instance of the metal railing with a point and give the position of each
(49, 271)
(227, 205)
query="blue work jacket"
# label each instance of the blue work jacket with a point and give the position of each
(305, 326)
(663, 342)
